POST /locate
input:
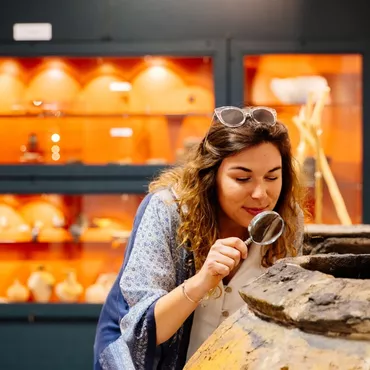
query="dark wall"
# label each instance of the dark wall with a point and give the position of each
(128, 20)
(88, 26)
(47, 346)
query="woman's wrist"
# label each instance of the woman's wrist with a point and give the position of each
(195, 289)
(186, 295)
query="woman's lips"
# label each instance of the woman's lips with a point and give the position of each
(254, 211)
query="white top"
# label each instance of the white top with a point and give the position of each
(212, 312)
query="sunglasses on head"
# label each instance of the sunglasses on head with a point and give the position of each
(236, 117)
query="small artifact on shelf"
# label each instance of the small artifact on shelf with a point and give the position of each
(31, 153)
(41, 284)
(103, 229)
(35, 231)
(78, 227)
(13, 227)
(54, 233)
(120, 237)
(69, 290)
(97, 293)
(295, 90)
(17, 292)
(46, 217)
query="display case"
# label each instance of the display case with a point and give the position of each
(59, 248)
(81, 129)
(59, 256)
(87, 127)
(103, 110)
(283, 80)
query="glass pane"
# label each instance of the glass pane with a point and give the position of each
(76, 242)
(284, 82)
(97, 110)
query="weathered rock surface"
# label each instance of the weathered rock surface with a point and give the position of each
(310, 312)
(320, 239)
(338, 230)
(293, 293)
(246, 342)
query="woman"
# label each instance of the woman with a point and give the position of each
(186, 258)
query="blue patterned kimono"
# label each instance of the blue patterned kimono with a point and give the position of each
(153, 266)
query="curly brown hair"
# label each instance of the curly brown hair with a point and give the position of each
(195, 185)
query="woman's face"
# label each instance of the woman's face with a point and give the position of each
(248, 183)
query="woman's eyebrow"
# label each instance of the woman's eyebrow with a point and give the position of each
(275, 169)
(241, 168)
(245, 169)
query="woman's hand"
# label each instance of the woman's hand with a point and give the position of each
(172, 309)
(222, 258)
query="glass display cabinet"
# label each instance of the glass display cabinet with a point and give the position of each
(63, 117)
(59, 248)
(103, 110)
(85, 131)
(59, 255)
(284, 81)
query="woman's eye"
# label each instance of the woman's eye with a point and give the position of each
(272, 178)
(243, 179)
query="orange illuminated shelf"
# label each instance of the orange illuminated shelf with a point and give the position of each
(9, 243)
(59, 250)
(166, 115)
(105, 115)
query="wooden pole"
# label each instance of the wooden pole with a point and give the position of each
(315, 125)
(335, 194)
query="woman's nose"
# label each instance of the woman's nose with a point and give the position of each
(259, 192)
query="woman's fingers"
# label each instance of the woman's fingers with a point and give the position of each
(237, 244)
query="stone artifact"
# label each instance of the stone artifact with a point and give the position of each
(322, 239)
(97, 293)
(309, 312)
(69, 290)
(17, 292)
(41, 283)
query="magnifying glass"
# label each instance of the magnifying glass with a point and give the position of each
(265, 228)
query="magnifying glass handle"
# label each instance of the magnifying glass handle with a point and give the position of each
(248, 241)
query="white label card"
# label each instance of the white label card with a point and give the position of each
(32, 32)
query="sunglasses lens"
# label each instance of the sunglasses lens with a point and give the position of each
(232, 117)
(263, 115)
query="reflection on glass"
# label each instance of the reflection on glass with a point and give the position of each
(65, 248)
(89, 105)
(284, 82)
